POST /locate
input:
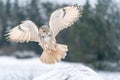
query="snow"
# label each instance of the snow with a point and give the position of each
(110, 75)
(32, 69)
(24, 54)
(69, 72)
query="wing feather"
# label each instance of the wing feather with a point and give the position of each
(25, 32)
(64, 17)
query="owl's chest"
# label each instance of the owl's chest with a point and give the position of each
(46, 39)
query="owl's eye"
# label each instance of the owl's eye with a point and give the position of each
(43, 31)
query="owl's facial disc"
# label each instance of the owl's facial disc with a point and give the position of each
(44, 31)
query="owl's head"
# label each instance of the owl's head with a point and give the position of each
(44, 30)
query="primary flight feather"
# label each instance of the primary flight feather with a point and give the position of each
(45, 35)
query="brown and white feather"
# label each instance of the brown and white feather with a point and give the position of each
(25, 32)
(63, 18)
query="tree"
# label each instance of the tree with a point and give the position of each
(15, 12)
(33, 12)
(106, 39)
(5, 22)
(80, 36)
(92, 37)
(1, 17)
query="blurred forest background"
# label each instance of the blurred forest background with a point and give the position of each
(93, 40)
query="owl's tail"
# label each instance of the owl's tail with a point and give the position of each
(51, 56)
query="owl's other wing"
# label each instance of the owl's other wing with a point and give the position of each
(25, 32)
(64, 17)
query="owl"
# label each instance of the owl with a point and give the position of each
(46, 35)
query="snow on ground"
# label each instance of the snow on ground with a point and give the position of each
(69, 72)
(29, 69)
(110, 75)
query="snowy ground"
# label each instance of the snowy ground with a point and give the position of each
(110, 75)
(29, 69)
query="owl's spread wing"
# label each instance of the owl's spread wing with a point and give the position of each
(25, 32)
(64, 17)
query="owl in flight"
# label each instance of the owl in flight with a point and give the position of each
(45, 35)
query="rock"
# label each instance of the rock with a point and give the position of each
(70, 71)
(32, 69)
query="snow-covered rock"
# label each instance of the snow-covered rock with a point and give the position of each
(33, 69)
(70, 72)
